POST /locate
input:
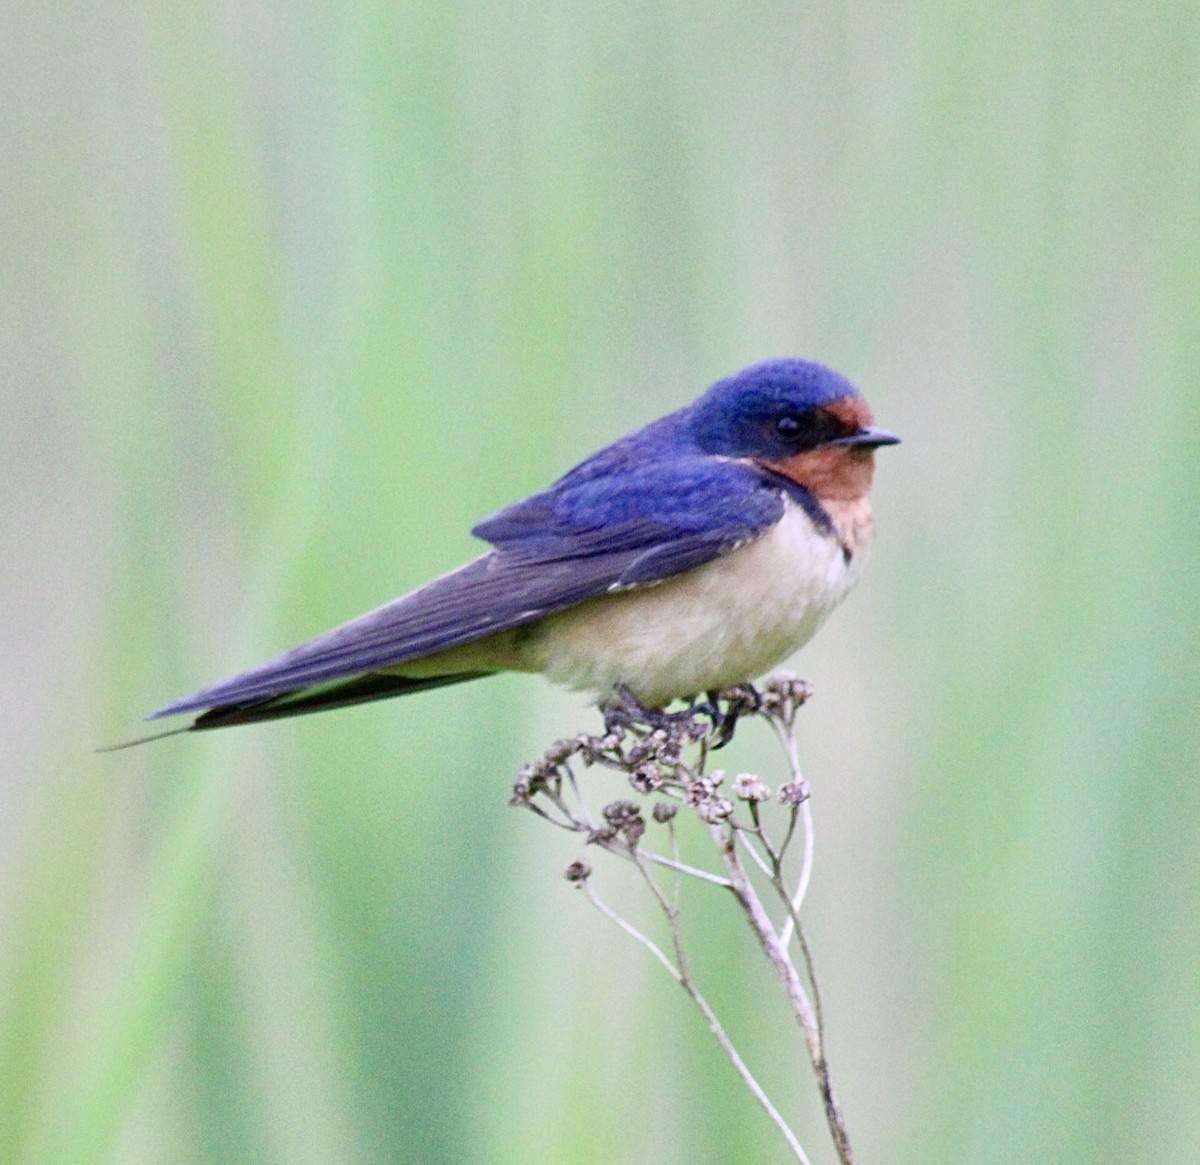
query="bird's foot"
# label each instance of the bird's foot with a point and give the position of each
(722, 708)
(727, 706)
(623, 710)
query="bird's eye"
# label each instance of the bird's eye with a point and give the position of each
(789, 427)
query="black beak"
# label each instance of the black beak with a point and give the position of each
(869, 437)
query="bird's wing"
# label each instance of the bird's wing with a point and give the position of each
(550, 552)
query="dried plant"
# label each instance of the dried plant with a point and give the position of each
(665, 758)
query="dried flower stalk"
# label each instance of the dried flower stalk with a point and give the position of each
(665, 758)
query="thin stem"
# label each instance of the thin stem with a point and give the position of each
(589, 892)
(806, 869)
(570, 824)
(668, 908)
(684, 868)
(621, 849)
(787, 739)
(680, 975)
(810, 971)
(760, 923)
(675, 862)
(793, 926)
(806, 864)
(786, 736)
(759, 860)
(775, 856)
(585, 816)
(793, 817)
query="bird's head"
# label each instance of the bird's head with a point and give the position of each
(795, 418)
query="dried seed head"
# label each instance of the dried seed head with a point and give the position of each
(620, 812)
(560, 751)
(664, 811)
(697, 792)
(783, 694)
(741, 700)
(748, 787)
(577, 872)
(793, 793)
(633, 830)
(589, 748)
(716, 811)
(646, 778)
(532, 780)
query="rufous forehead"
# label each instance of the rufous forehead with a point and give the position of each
(850, 410)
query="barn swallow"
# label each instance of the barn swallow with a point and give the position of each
(691, 555)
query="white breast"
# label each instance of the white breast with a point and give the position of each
(720, 624)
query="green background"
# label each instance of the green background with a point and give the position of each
(291, 294)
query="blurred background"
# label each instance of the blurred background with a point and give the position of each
(293, 293)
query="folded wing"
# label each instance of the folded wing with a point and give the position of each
(551, 551)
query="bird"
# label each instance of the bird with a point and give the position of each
(690, 555)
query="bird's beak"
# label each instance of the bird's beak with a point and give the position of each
(869, 437)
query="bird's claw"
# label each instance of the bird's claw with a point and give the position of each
(623, 710)
(727, 707)
(722, 708)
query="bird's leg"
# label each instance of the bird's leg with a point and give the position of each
(623, 709)
(620, 709)
(723, 720)
(738, 701)
(722, 707)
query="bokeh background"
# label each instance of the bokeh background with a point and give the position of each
(292, 293)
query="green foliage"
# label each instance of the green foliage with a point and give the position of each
(294, 293)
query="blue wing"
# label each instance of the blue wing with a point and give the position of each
(589, 534)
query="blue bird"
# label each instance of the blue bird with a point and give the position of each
(691, 555)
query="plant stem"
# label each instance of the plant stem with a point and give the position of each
(789, 980)
(679, 974)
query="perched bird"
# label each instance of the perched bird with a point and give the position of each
(690, 555)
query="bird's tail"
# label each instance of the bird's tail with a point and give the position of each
(360, 690)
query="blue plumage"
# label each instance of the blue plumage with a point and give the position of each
(738, 414)
(683, 492)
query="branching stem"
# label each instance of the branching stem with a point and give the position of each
(680, 975)
(653, 750)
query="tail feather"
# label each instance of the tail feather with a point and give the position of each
(361, 690)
